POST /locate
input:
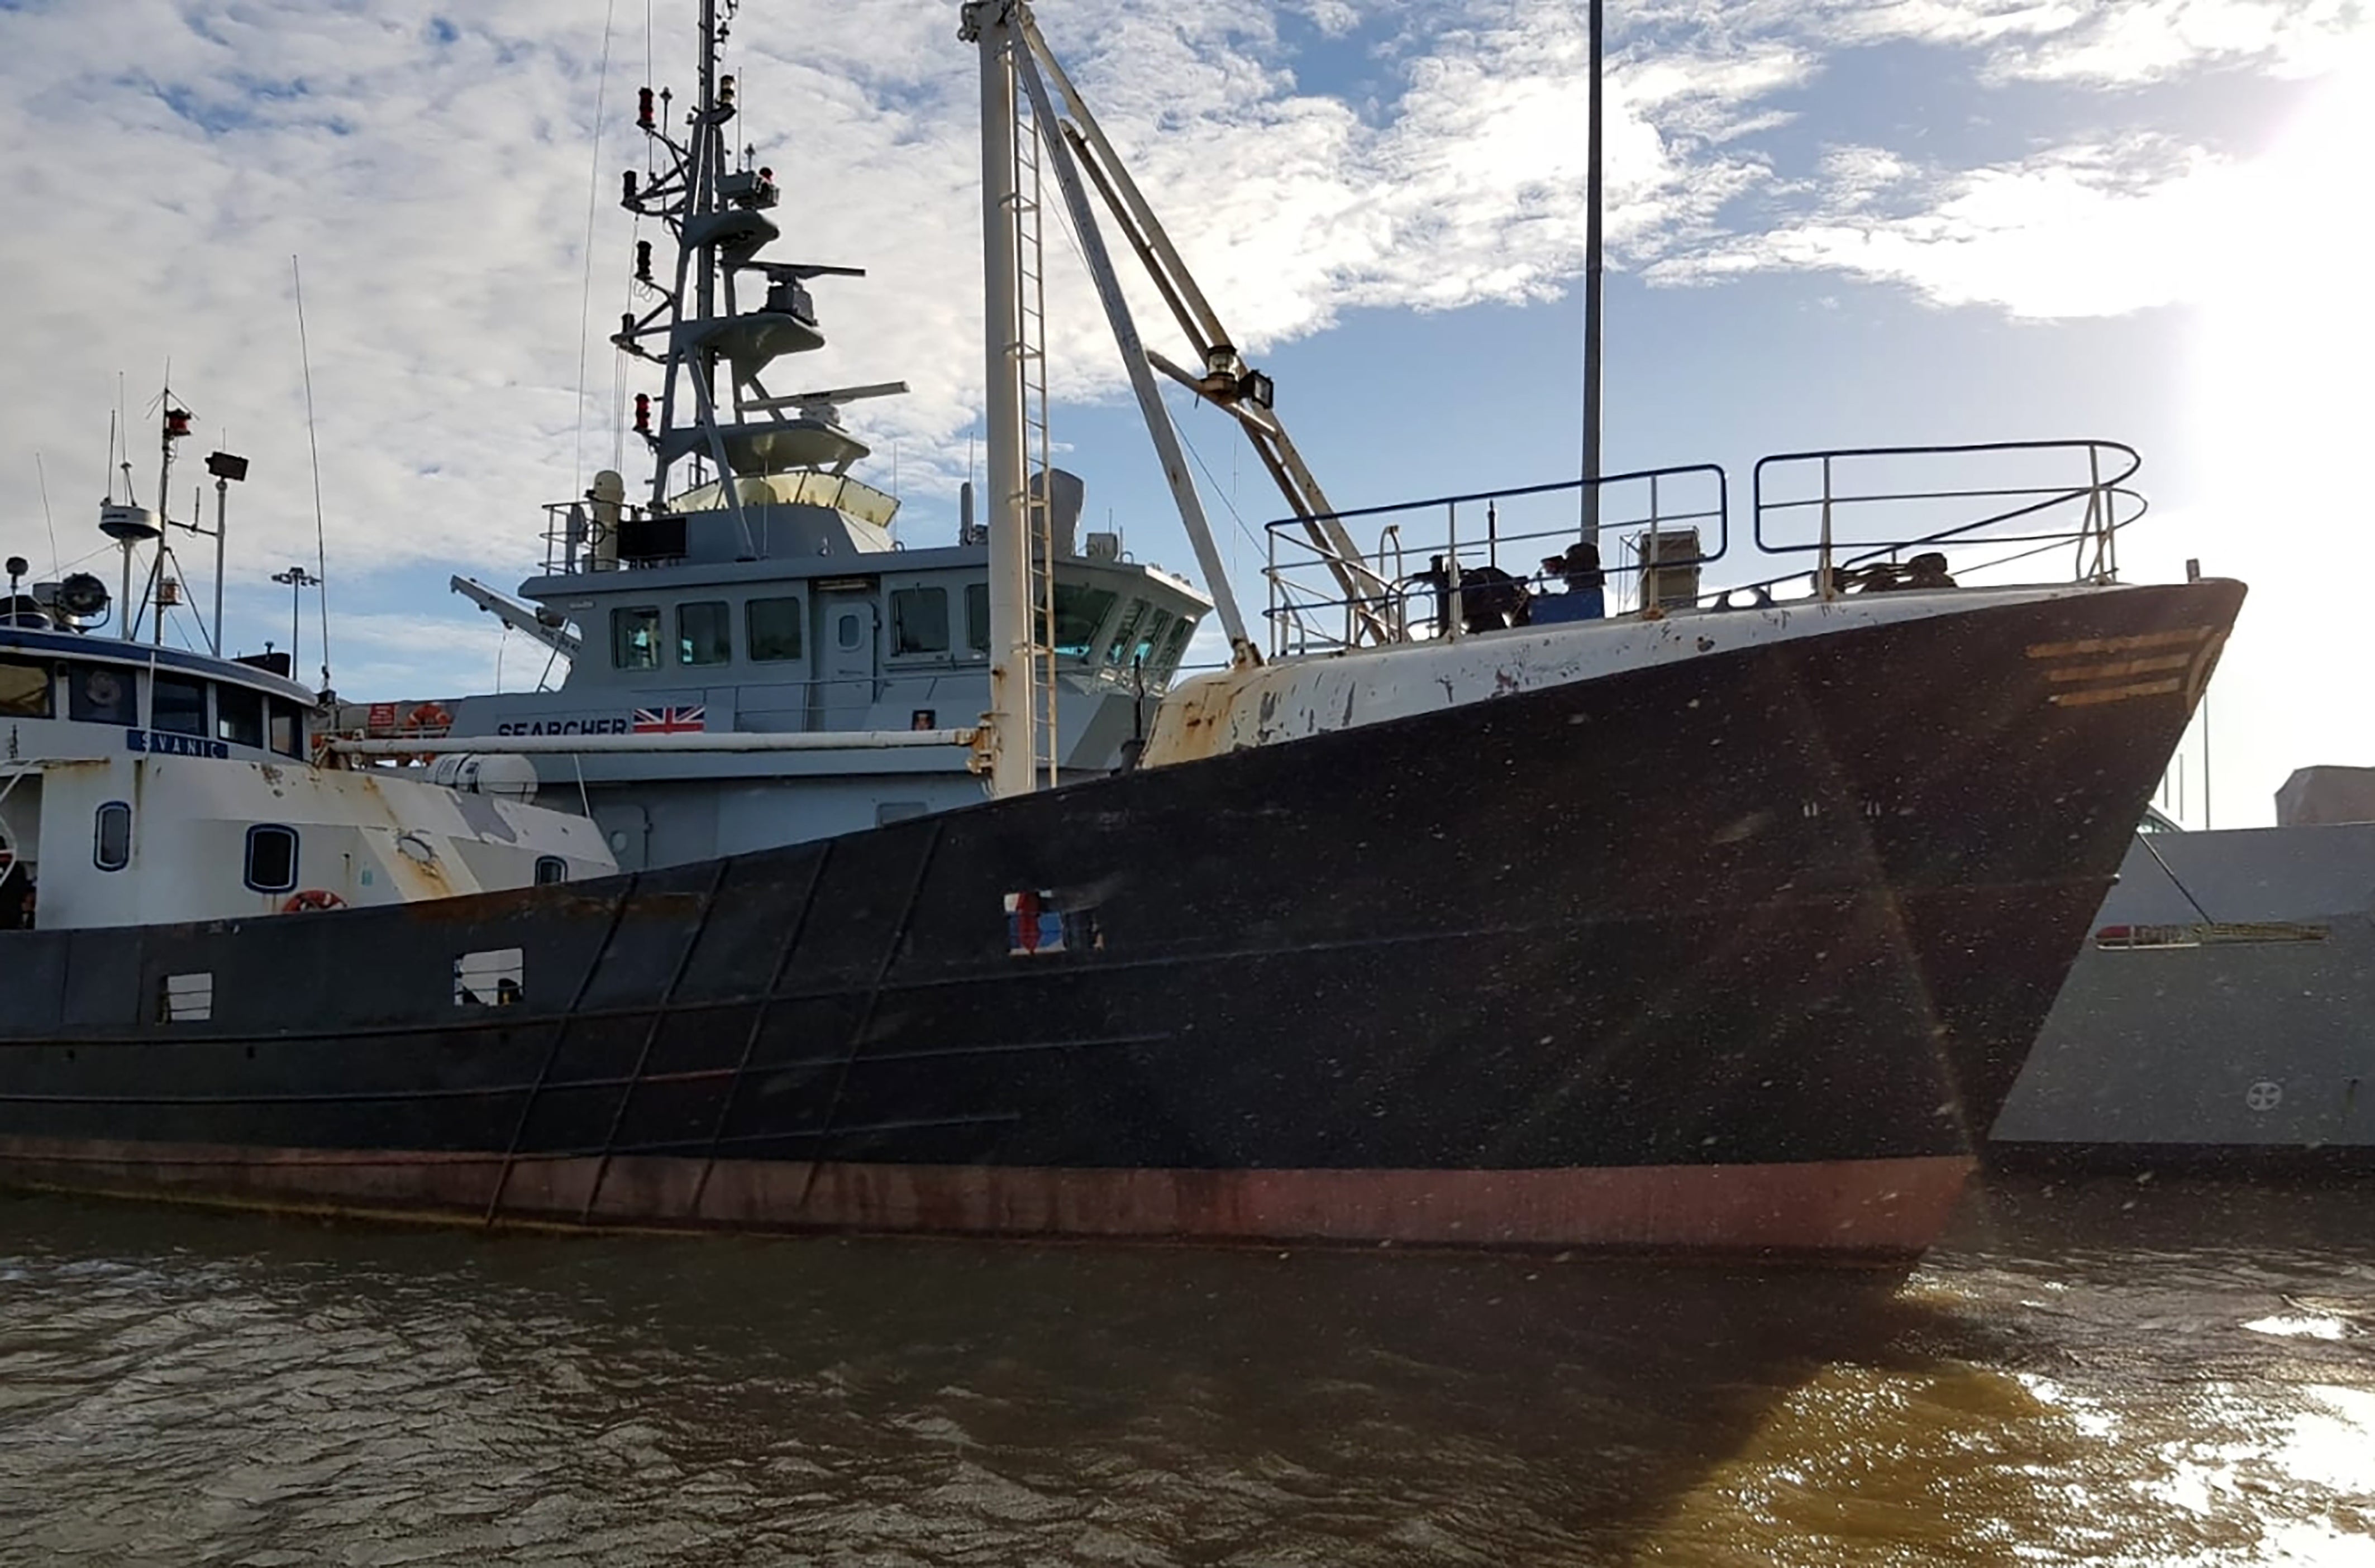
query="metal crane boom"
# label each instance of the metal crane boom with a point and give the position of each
(1226, 381)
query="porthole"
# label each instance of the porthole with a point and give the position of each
(110, 846)
(271, 858)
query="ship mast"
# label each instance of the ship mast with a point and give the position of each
(1593, 194)
(1012, 715)
(715, 207)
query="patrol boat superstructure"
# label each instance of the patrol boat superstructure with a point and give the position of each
(758, 597)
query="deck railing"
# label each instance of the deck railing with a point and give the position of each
(1849, 520)
(1458, 555)
(1983, 507)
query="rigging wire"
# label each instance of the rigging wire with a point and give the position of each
(593, 200)
(1235, 516)
(47, 521)
(321, 536)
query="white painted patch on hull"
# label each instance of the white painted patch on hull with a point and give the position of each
(1294, 698)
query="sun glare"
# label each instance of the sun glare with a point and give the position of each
(2288, 326)
(2283, 415)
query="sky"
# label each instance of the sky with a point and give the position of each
(1830, 224)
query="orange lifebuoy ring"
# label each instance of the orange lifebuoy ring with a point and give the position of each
(312, 899)
(429, 716)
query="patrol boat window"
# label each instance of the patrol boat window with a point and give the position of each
(24, 690)
(177, 704)
(978, 620)
(705, 633)
(919, 621)
(239, 715)
(97, 695)
(1139, 642)
(774, 627)
(635, 637)
(1163, 664)
(1079, 612)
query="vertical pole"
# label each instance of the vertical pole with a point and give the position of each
(164, 518)
(222, 495)
(708, 140)
(1459, 620)
(1594, 191)
(1829, 590)
(1010, 716)
(2206, 823)
(296, 614)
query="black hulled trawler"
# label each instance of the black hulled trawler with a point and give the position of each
(1718, 921)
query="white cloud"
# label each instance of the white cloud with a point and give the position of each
(432, 174)
(2110, 42)
(2089, 230)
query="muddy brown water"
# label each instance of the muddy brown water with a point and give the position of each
(2104, 1371)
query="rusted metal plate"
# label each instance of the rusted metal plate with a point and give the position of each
(1853, 1208)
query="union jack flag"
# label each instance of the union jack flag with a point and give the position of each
(672, 721)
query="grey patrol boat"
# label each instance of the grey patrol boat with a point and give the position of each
(753, 657)
(2219, 1018)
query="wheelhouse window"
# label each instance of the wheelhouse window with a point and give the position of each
(550, 868)
(177, 704)
(1168, 660)
(288, 727)
(1080, 611)
(774, 627)
(99, 694)
(978, 620)
(24, 690)
(239, 715)
(635, 637)
(705, 633)
(919, 621)
(1139, 640)
(111, 838)
(1117, 646)
(271, 858)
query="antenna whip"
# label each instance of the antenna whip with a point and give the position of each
(321, 544)
(592, 198)
(42, 475)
